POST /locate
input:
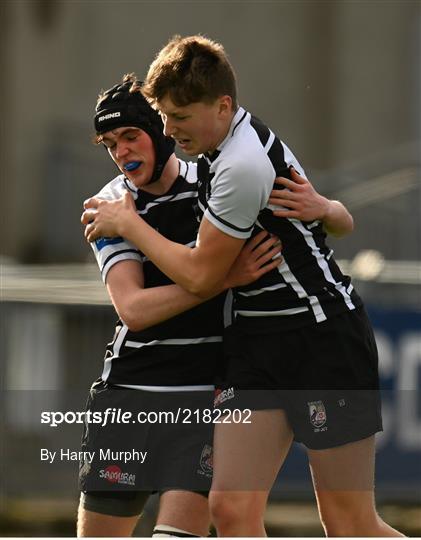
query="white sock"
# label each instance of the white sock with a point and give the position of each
(166, 531)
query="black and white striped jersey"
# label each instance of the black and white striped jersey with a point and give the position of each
(184, 352)
(234, 183)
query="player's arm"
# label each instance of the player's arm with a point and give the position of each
(301, 201)
(234, 205)
(200, 270)
(141, 308)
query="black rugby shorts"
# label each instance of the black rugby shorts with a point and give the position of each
(325, 377)
(176, 451)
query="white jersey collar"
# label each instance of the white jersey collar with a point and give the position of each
(237, 119)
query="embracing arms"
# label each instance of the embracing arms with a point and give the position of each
(141, 308)
(202, 270)
(301, 201)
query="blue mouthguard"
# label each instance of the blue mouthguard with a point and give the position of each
(131, 166)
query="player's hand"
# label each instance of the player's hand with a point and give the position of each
(255, 259)
(299, 200)
(107, 218)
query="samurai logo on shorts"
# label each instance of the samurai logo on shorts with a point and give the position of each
(206, 459)
(317, 413)
(115, 475)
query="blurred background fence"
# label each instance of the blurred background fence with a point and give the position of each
(338, 80)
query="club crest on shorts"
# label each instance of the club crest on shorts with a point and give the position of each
(317, 413)
(206, 459)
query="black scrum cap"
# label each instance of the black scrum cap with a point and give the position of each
(120, 107)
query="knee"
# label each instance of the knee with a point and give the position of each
(223, 509)
(229, 508)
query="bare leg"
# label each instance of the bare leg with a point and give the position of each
(94, 524)
(247, 458)
(184, 510)
(343, 479)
